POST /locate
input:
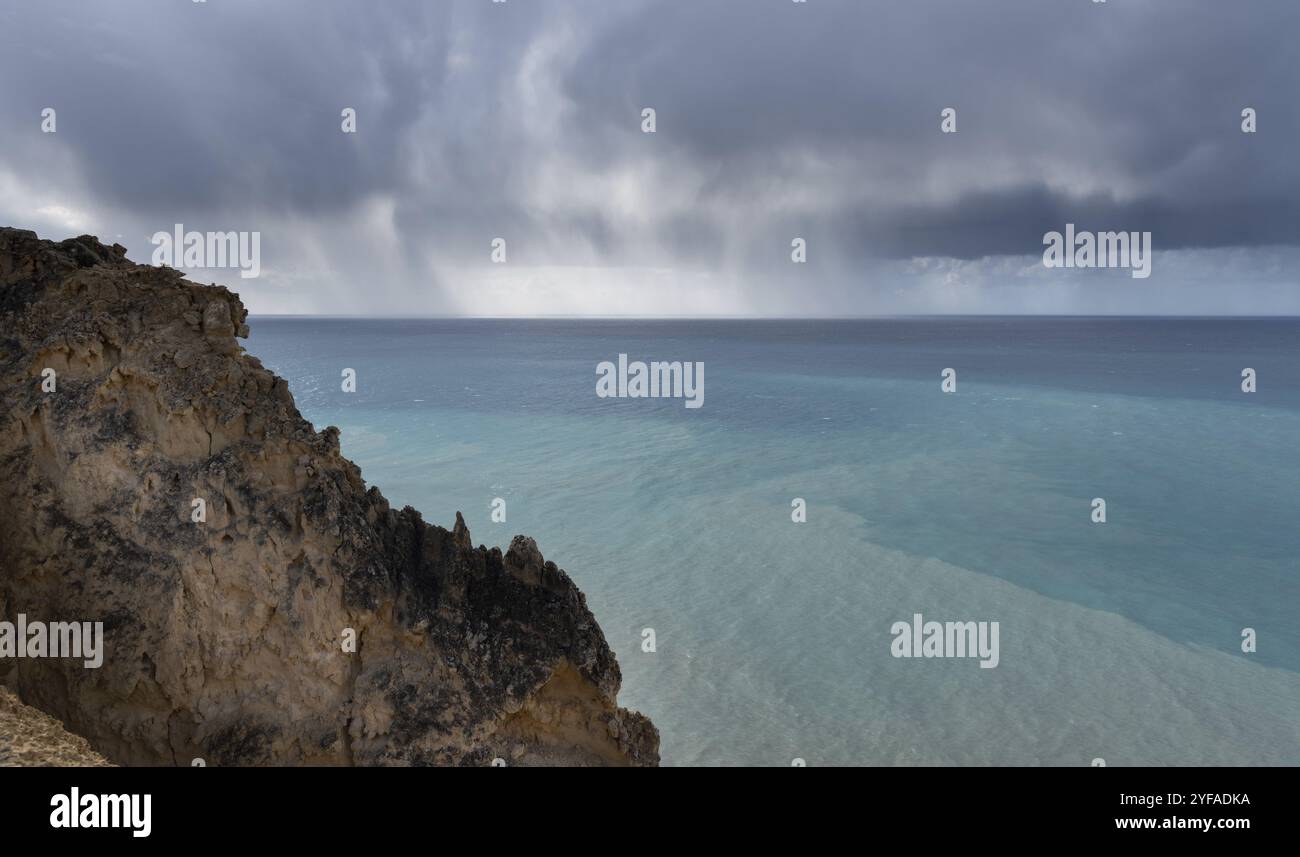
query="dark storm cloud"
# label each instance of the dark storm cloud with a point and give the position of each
(176, 104)
(775, 119)
(1145, 98)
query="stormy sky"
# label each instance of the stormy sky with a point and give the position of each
(522, 120)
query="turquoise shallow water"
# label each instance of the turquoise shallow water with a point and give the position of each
(1118, 640)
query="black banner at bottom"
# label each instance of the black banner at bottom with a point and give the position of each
(338, 807)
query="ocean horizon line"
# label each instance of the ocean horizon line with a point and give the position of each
(771, 318)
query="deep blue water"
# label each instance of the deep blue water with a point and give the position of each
(1119, 640)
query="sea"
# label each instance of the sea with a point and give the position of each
(750, 560)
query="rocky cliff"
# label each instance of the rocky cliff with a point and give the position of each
(31, 738)
(226, 638)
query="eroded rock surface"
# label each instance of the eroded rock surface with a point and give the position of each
(223, 639)
(31, 738)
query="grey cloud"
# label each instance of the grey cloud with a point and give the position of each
(1145, 97)
(775, 119)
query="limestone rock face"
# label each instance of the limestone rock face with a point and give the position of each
(224, 638)
(31, 738)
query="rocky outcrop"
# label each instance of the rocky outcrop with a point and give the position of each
(226, 638)
(31, 738)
